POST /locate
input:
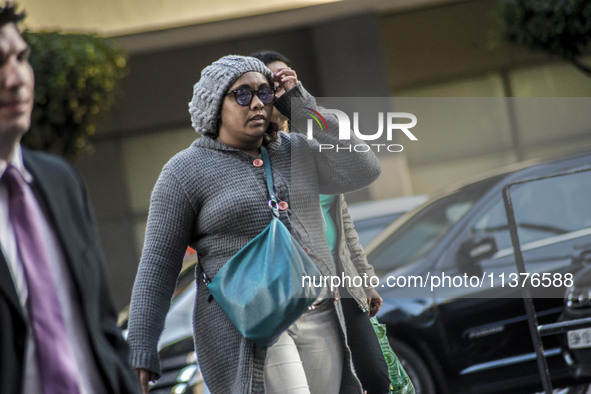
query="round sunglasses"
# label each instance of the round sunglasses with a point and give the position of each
(243, 96)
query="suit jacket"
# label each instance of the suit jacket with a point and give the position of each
(62, 193)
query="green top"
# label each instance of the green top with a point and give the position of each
(330, 230)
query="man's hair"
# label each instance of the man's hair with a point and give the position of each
(9, 13)
(267, 56)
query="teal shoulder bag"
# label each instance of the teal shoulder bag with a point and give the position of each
(260, 288)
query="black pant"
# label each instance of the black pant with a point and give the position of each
(368, 359)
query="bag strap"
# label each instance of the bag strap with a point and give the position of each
(273, 204)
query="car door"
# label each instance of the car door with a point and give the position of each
(553, 219)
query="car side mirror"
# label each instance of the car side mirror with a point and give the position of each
(473, 251)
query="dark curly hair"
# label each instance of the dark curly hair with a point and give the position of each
(267, 56)
(271, 134)
(9, 13)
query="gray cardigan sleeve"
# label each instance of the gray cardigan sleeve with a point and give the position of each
(338, 171)
(358, 256)
(170, 222)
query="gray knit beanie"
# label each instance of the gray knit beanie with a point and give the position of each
(209, 92)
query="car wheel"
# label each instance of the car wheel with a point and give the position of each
(415, 367)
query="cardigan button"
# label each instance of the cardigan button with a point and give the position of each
(283, 205)
(257, 162)
(306, 249)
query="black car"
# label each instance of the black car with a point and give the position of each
(577, 344)
(472, 335)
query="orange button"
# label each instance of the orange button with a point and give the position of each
(283, 205)
(257, 162)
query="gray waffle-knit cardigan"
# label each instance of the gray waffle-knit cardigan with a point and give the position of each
(212, 197)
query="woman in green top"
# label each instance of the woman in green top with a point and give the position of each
(343, 242)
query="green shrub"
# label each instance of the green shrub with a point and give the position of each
(558, 27)
(75, 80)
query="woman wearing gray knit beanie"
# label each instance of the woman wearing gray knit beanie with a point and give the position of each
(212, 196)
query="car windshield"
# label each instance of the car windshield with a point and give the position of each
(421, 233)
(367, 229)
(543, 209)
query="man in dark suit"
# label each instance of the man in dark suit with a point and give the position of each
(58, 330)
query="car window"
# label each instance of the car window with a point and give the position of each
(367, 229)
(543, 209)
(494, 223)
(421, 233)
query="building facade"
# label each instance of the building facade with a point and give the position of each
(426, 53)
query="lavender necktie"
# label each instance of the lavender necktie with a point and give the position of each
(57, 367)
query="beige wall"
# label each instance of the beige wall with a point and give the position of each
(455, 51)
(423, 48)
(117, 17)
